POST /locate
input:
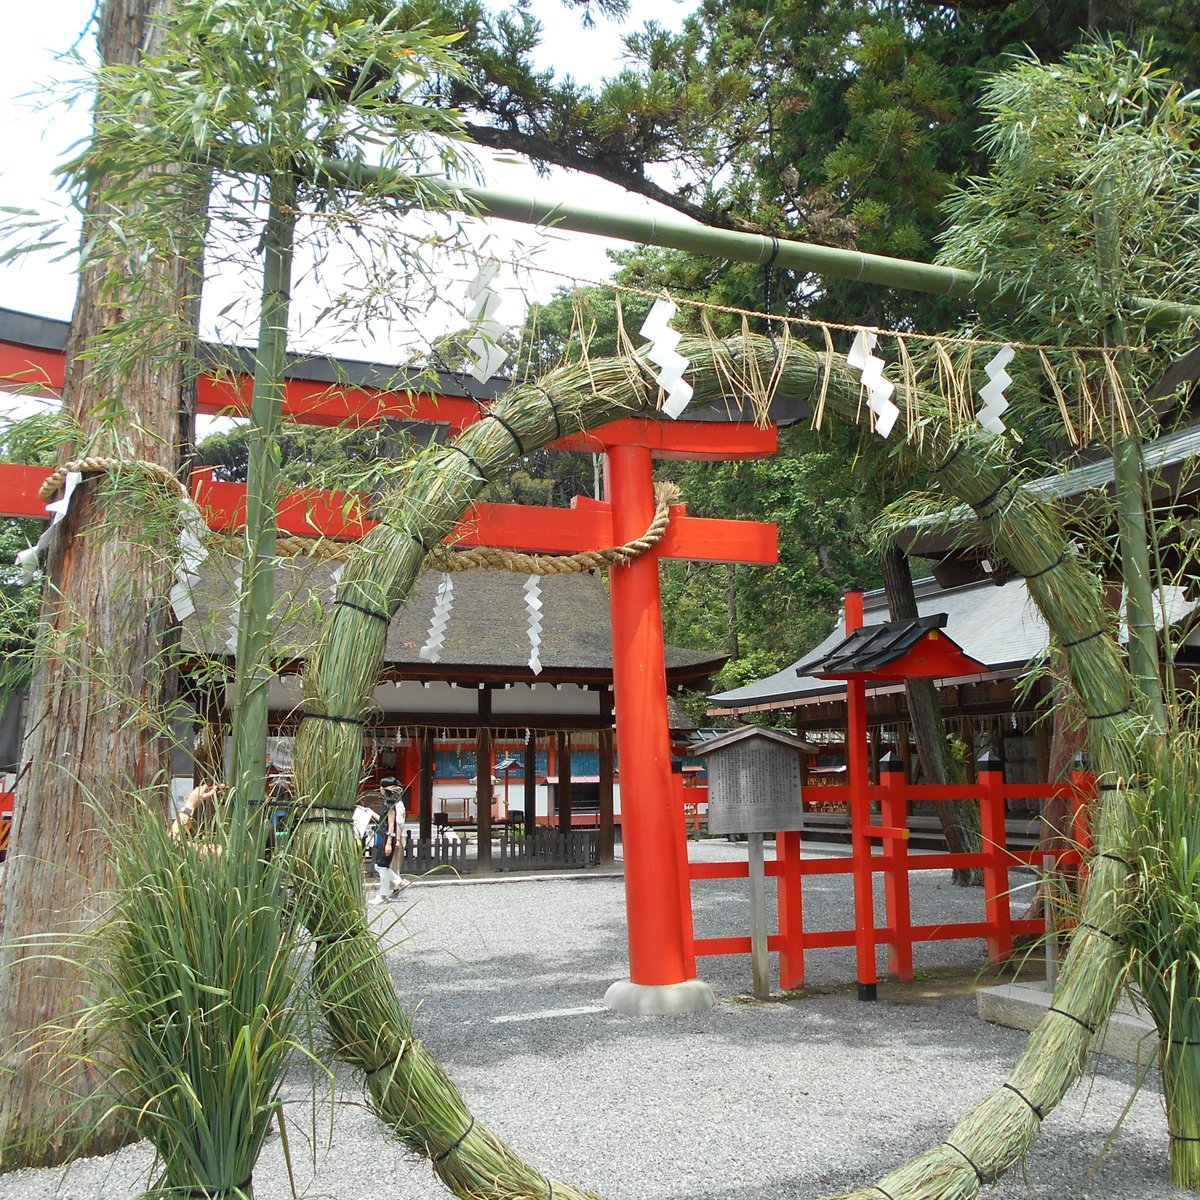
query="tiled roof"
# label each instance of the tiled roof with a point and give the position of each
(875, 646)
(999, 626)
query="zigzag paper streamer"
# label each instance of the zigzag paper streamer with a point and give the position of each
(58, 508)
(334, 580)
(436, 639)
(533, 605)
(992, 392)
(879, 389)
(663, 350)
(192, 554)
(487, 357)
(27, 560)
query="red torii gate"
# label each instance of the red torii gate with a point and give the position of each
(662, 964)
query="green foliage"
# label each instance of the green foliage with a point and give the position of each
(822, 506)
(33, 440)
(1098, 140)
(236, 94)
(202, 999)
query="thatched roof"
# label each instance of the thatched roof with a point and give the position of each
(486, 637)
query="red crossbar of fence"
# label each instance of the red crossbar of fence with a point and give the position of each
(887, 853)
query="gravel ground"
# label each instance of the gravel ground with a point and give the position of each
(794, 1098)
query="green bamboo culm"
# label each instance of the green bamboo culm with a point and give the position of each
(253, 670)
(203, 1004)
(367, 1024)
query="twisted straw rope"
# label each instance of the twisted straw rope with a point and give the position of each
(94, 465)
(488, 557)
(442, 558)
(665, 494)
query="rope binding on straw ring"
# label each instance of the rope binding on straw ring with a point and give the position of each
(96, 465)
(445, 1154)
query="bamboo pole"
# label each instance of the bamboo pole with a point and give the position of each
(252, 673)
(656, 228)
(1129, 484)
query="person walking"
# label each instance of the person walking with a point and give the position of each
(389, 845)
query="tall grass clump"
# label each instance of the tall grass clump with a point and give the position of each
(1164, 934)
(202, 1004)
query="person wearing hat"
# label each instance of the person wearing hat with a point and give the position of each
(388, 841)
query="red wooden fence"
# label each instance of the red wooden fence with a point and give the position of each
(880, 847)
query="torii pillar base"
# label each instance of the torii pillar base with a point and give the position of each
(656, 1000)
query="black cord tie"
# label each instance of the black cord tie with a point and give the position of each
(460, 450)
(950, 457)
(1112, 937)
(416, 537)
(978, 1173)
(985, 503)
(1086, 638)
(1117, 859)
(885, 1194)
(1120, 712)
(370, 612)
(315, 716)
(445, 1154)
(1183, 1042)
(324, 821)
(392, 1063)
(1178, 1137)
(1058, 562)
(1062, 1012)
(1108, 787)
(774, 250)
(512, 433)
(1037, 1112)
(558, 429)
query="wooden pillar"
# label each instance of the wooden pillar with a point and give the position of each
(1041, 748)
(607, 821)
(425, 783)
(564, 780)
(996, 860)
(483, 781)
(530, 780)
(652, 838)
(858, 766)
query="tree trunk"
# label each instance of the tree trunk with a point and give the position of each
(94, 731)
(1068, 739)
(929, 730)
(731, 610)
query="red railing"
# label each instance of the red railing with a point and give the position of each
(881, 847)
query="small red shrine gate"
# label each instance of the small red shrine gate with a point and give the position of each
(896, 651)
(658, 900)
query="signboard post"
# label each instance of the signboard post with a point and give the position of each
(754, 789)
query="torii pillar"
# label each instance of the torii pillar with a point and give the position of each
(662, 967)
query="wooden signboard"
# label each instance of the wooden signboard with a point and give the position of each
(754, 782)
(753, 789)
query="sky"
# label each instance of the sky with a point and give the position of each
(40, 130)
